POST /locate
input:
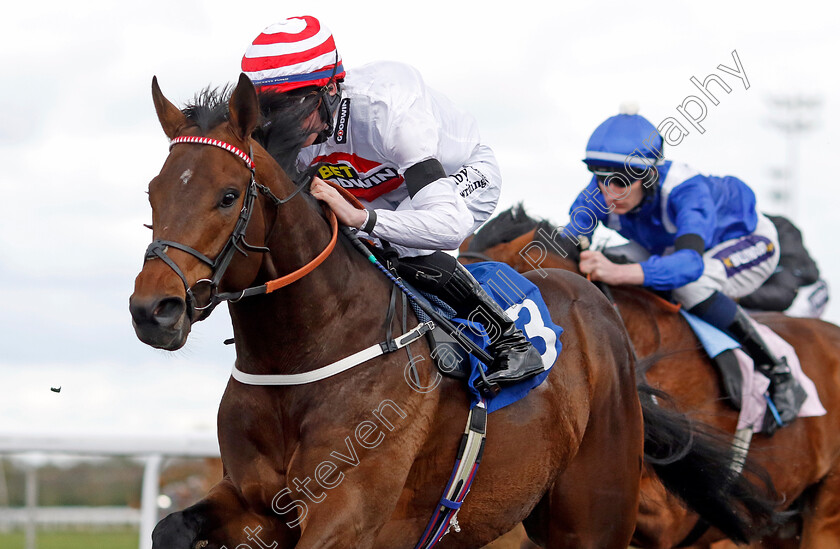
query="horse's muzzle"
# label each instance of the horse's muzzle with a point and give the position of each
(160, 322)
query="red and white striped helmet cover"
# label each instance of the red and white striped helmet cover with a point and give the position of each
(294, 53)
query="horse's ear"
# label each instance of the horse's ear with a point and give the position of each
(172, 120)
(244, 108)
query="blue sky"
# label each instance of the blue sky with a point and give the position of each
(79, 142)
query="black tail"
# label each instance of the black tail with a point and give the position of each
(693, 461)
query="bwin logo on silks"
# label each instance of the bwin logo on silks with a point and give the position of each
(342, 127)
(745, 254)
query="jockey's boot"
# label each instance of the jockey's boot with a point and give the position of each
(787, 394)
(515, 359)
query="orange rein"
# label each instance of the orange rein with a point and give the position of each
(660, 302)
(285, 280)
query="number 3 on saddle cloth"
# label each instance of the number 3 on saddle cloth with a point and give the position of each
(749, 384)
(523, 303)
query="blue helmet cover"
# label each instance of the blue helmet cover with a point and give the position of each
(624, 140)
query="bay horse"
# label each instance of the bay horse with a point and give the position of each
(803, 458)
(360, 459)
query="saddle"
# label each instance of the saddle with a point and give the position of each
(453, 360)
(731, 377)
(742, 386)
(718, 346)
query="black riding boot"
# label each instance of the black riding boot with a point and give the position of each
(785, 391)
(515, 359)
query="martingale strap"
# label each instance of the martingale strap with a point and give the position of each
(336, 367)
(466, 466)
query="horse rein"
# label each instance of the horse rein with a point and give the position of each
(236, 241)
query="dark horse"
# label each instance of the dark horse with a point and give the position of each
(361, 459)
(803, 458)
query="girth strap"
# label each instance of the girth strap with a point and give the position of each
(467, 461)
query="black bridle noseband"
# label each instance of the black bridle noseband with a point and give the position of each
(236, 242)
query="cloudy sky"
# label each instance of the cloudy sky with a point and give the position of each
(79, 142)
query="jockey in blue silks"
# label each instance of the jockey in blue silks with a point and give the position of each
(698, 236)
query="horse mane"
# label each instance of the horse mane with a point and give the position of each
(209, 107)
(278, 130)
(503, 228)
(513, 223)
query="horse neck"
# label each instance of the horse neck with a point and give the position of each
(304, 323)
(526, 252)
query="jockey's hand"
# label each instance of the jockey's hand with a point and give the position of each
(598, 267)
(346, 213)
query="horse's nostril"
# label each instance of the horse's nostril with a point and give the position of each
(161, 323)
(169, 311)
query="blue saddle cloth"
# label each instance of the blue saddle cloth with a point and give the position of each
(523, 302)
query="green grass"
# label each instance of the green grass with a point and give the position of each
(81, 539)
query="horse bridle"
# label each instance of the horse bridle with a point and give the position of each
(236, 241)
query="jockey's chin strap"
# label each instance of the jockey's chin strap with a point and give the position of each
(236, 241)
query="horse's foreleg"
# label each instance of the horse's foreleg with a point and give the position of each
(353, 514)
(221, 521)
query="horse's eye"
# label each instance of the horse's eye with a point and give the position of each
(229, 199)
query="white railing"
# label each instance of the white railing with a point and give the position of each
(151, 449)
(72, 516)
